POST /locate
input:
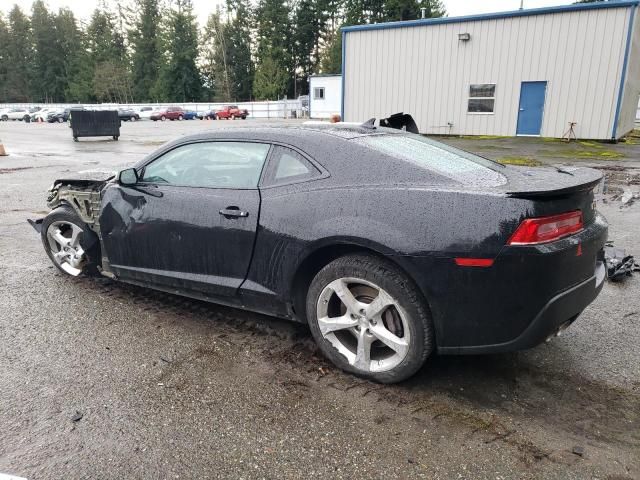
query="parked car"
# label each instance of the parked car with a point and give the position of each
(128, 114)
(190, 114)
(40, 115)
(58, 116)
(210, 115)
(146, 112)
(231, 112)
(201, 114)
(16, 114)
(439, 250)
(171, 113)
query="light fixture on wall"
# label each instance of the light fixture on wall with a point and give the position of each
(464, 37)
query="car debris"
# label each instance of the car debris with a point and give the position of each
(619, 264)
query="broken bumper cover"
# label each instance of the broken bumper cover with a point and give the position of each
(36, 224)
(556, 315)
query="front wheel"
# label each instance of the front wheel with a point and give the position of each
(163, 118)
(369, 319)
(71, 245)
(60, 120)
(133, 119)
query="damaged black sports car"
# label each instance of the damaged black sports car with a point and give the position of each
(389, 245)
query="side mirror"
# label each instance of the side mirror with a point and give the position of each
(128, 177)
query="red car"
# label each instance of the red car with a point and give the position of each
(171, 113)
(232, 112)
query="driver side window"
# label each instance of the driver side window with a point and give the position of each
(209, 164)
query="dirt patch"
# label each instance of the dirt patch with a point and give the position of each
(15, 169)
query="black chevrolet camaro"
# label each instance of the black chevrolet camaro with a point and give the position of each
(391, 246)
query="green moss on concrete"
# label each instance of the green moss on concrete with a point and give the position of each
(521, 161)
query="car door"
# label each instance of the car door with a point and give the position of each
(190, 222)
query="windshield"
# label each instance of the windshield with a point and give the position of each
(447, 161)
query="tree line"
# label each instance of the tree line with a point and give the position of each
(154, 51)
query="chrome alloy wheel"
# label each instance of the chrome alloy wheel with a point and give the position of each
(64, 243)
(364, 323)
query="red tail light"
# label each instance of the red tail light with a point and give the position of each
(546, 229)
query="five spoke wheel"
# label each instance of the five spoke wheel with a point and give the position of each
(64, 243)
(364, 323)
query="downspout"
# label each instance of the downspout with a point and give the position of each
(624, 73)
(344, 44)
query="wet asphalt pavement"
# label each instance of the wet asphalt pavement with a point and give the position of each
(104, 380)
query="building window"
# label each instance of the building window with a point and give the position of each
(318, 93)
(482, 98)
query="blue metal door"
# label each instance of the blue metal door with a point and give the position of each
(531, 108)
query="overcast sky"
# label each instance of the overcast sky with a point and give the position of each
(455, 8)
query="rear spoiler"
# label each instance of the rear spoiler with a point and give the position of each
(557, 192)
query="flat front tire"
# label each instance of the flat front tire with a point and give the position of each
(369, 319)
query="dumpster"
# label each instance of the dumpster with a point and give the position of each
(88, 123)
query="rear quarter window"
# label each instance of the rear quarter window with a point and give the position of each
(437, 157)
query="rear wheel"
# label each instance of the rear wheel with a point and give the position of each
(180, 117)
(163, 118)
(133, 119)
(71, 245)
(368, 318)
(60, 120)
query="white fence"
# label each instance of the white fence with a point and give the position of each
(286, 108)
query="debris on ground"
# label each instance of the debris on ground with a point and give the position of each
(578, 450)
(76, 417)
(628, 197)
(619, 264)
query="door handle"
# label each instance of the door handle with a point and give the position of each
(233, 212)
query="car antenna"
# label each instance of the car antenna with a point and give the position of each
(371, 124)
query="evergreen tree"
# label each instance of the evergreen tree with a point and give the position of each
(4, 61)
(274, 50)
(49, 80)
(310, 28)
(216, 53)
(396, 10)
(243, 69)
(271, 79)
(77, 68)
(180, 79)
(145, 45)
(331, 62)
(107, 56)
(19, 54)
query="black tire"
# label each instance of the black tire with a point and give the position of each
(4, 118)
(88, 240)
(387, 276)
(75, 139)
(180, 117)
(244, 117)
(60, 120)
(163, 118)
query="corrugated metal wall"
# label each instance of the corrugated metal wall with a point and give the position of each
(426, 71)
(626, 120)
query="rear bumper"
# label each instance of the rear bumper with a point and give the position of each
(556, 315)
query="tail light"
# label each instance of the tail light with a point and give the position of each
(546, 229)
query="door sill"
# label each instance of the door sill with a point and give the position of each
(526, 135)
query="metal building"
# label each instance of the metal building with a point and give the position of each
(527, 72)
(325, 95)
